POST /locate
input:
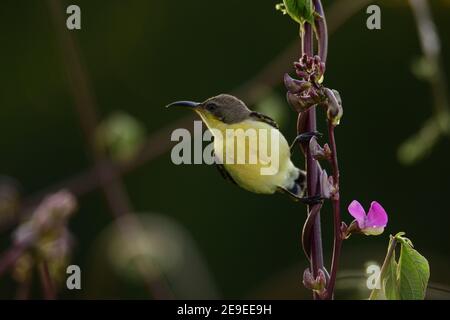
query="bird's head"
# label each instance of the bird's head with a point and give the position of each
(224, 108)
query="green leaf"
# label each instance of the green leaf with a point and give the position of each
(406, 279)
(414, 273)
(120, 135)
(300, 11)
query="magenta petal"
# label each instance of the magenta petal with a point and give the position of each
(377, 216)
(357, 211)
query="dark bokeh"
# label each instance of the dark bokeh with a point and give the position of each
(141, 55)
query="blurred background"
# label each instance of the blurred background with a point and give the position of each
(83, 111)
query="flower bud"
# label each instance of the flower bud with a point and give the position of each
(317, 284)
(326, 188)
(52, 214)
(301, 74)
(335, 110)
(327, 151)
(337, 95)
(316, 151)
(297, 102)
(310, 69)
(294, 85)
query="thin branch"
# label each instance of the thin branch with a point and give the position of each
(390, 253)
(109, 179)
(431, 47)
(336, 203)
(48, 286)
(322, 31)
(422, 142)
(85, 105)
(24, 288)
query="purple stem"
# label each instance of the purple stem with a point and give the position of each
(322, 37)
(321, 30)
(312, 168)
(336, 203)
(48, 287)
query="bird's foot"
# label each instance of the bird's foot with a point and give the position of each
(305, 137)
(310, 201)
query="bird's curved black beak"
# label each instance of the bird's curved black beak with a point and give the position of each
(186, 104)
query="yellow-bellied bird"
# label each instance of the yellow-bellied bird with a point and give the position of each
(227, 118)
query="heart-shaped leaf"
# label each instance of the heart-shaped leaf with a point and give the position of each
(300, 10)
(406, 279)
(413, 272)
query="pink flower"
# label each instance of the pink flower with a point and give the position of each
(374, 222)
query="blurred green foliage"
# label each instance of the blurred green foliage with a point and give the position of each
(120, 136)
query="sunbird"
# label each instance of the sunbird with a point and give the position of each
(225, 113)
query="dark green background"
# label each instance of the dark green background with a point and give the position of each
(140, 55)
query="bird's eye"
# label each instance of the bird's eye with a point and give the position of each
(211, 106)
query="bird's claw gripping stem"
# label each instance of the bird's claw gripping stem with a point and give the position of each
(305, 137)
(310, 201)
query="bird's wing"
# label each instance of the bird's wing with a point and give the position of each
(224, 173)
(262, 117)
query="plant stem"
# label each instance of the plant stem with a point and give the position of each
(431, 47)
(24, 288)
(312, 168)
(48, 287)
(421, 143)
(336, 203)
(391, 251)
(111, 184)
(10, 257)
(322, 30)
(322, 38)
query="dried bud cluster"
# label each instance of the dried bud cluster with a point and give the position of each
(308, 91)
(310, 69)
(52, 214)
(46, 235)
